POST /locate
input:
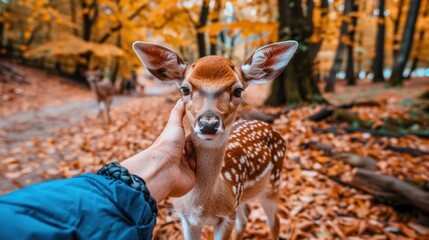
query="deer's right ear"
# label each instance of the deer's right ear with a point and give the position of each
(162, 62)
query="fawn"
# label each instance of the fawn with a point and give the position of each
(102, 90)
(236, 162)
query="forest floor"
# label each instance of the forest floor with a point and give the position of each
(312, 203)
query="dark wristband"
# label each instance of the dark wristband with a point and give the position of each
(116, 171)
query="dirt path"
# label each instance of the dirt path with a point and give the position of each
(50, 102)
(43, 122)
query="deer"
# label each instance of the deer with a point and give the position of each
(102, 91)
(236, 161)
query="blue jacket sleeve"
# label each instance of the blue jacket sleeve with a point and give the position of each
(88, 206)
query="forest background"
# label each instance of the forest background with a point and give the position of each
(352, 104)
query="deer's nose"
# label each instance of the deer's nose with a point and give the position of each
(208, 123)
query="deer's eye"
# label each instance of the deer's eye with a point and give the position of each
(185, 91)
(238, 92)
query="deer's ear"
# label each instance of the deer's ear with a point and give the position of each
(266, 63)
(162, 62)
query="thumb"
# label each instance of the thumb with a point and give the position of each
(177, 113)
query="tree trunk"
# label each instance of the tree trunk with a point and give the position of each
(330, 84)
(413, 67)
(295, 84)
(73, 16)
(201, 35)
(420, 43)
(2, 39)
(350, 71)
(88, 18)
(216, 18)
(378, 64)
(396, 26)
(362, 5)
(315, 47)
(366, 178)
(310, 8)
(407, 40)
(116, 65)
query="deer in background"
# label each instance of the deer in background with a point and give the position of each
(236, 162)
(103, 92)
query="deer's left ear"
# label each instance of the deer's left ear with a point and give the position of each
(266, 63)
(162, 62)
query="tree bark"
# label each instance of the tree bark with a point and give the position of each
(1, 38)
(396, 26)
(362, 5)
(378, 63)
(350, 71)
(315, 47)
(420, 43)
(216, 18)
(407, 40)
(330, 84)
(296, 83)
(117, 63)
(73, 16)
(201, 35)
(88, 18)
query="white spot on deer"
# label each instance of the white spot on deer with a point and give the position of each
(266, 170)
(102, 106)
(249, 183)
(227, 175)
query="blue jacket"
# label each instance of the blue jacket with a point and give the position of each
(88, 206)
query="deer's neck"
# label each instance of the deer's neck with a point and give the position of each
(210, 157)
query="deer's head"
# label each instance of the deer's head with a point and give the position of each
(93, 76)
(212, 86)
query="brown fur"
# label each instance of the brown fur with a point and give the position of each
(103, 93)
(213, 72)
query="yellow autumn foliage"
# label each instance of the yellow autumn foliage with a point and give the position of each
(69, 45)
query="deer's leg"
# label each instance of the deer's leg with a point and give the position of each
(269, 204)
(190, 232)
(223, 229)
(103, 110)
(99, 109)
(108, 103)
(243, 212)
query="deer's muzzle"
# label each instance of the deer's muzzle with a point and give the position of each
(208, 123)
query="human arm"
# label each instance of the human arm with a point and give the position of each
(91, 206)
(88, 206)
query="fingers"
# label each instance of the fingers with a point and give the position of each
(177, 113)
(190, 154)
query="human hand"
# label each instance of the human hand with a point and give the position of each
(168, 165)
